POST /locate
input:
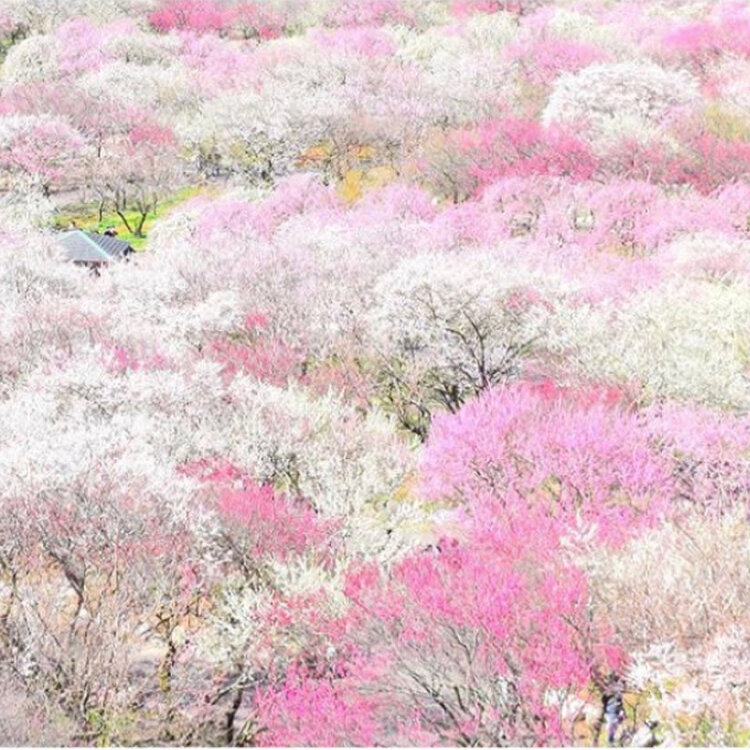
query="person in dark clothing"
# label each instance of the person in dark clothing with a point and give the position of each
(614, 709)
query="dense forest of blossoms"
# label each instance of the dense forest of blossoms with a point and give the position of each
(424, 416)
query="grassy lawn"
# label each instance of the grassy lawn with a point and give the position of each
(86, 216)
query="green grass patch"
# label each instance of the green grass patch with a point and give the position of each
(86, 216)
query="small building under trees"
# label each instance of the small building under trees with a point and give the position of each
(92, 249)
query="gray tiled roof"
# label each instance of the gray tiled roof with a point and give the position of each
(89, 247)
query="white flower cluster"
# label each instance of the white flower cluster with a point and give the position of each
(44, 15)
(686, 341)
(682, 582)
(168, 89)
(466, 318)
(462, 84)
(676, 598)
(576, 26)
(617, 100)
(32, 60)
(348, 466)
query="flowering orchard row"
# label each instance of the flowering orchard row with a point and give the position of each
(123, 99)
(425, 421)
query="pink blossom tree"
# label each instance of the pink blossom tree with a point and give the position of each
(470, 158)
(258, 20)
(585, 457)
(201, 16)
(136, 171)
(483, 641)
(39, 150)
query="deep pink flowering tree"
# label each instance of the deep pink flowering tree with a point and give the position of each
(201, 16)
(701, 42)
(569, 453)
(706, 162)
(290, 714)
(257, 524)
(258, 20)
(471, 158)
(542, 60)
(252, 351)
(483, 641)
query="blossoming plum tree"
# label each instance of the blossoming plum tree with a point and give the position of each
(447, 331)
(38, 149)
(576, 455)
(477, 642)
(423, 421)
